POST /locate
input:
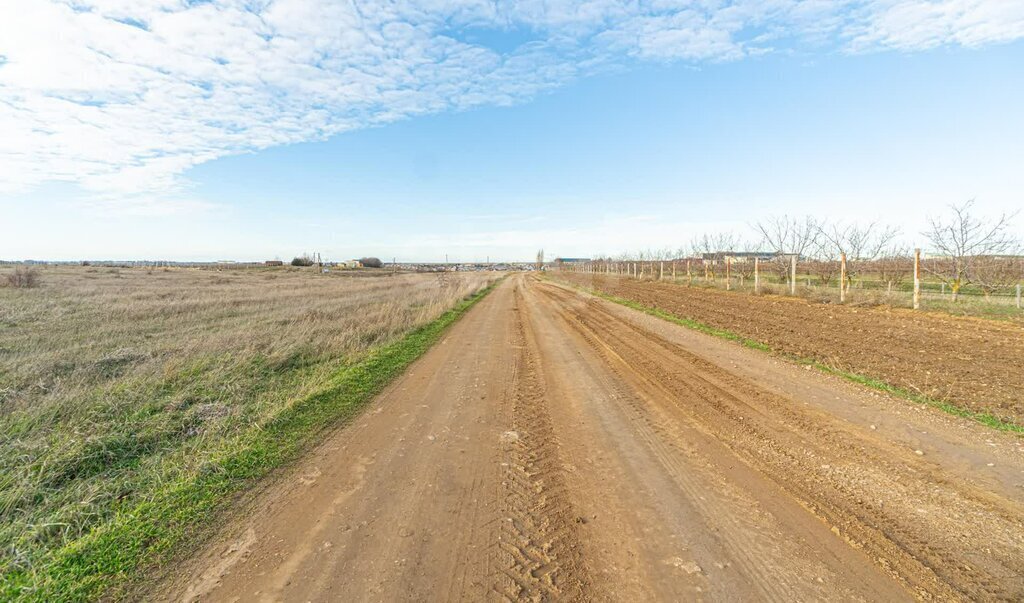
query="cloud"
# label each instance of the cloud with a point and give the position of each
(122, 97)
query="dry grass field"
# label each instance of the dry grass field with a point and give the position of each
(117, 384)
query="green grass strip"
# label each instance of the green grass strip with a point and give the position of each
(984, 418)
(103, 563)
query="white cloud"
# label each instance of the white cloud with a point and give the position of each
(124, 96)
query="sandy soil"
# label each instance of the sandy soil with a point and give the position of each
(556, 446)
(974, 363)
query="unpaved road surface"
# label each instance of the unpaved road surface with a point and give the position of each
(971, 362)
(555, 446)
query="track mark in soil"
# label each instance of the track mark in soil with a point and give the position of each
(538, 542)
(883, 500)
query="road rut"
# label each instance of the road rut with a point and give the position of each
(554, 446)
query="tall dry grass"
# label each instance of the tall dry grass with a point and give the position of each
(115, 381)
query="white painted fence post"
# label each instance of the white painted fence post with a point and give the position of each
(792, 274)
(757, 276)
(917, 279)
(842, 277)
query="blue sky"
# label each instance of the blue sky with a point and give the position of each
(566, 131)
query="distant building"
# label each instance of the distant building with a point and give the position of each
(273, 263)
(739, 257)
(571, 260)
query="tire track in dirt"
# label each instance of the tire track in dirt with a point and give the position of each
(537, 539)
(752, 541)
(885, 501)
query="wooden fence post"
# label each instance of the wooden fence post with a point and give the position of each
(917, 279)
(1018, 296)
(689, 275)
(757, 276)
(792, 274)
(673, 270)
(842, 277)
(661, 270)
(728, 273)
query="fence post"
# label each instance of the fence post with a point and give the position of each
(673, 271)
(917, 279)
(757, 276)
(1018, 296)
(842, 277)
(792, 274)
(689, 275)
(728, 273)
(661, 270)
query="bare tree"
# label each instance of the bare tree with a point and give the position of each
(788, 236)
(712, 248)
(894, 264)
(964, 242)
(540, 259)
(861, 243)
(744, 267)
(992, 274)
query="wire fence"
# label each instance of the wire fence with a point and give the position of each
(889, 282)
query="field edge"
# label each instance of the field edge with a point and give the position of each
(984, 418)
(109, 560)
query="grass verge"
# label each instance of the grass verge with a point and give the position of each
(984, 418)
(103, 563)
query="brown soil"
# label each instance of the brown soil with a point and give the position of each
(557, 446)
(973, 363)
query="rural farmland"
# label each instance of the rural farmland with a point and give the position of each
(556, 445)
(217, 434)
(374, 301)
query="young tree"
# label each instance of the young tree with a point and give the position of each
(788, 236)
(992, 274)
(540, 260)
(744, 268)
(894, 264)
(861, 243)
(965, 241)
(712, 248)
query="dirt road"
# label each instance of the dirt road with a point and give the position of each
(556, 446)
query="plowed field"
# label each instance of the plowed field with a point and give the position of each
(972, 363)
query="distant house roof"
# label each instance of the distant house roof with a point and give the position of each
(761, 255)
(571, 260)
